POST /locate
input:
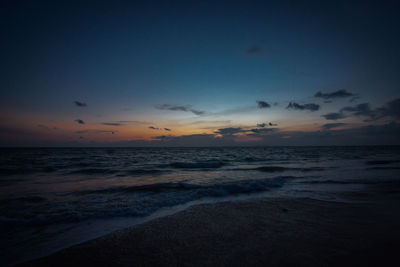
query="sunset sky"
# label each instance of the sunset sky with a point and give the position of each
(199, 73)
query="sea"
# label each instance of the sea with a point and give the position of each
(52, 198)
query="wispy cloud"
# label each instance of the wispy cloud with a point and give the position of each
(42, 126)
(122, 123)
(229, 131)
(79, 121)
(329, 126)
(186, 108)
(112, 123)
(390, 110)
(262, 104)
(254, 50)
(334, 116)
(310, 106)
(80, 104)
(211, 122)
(337, 94)
(167, 129)
(261, 132)
(154, 128)
(95, 131)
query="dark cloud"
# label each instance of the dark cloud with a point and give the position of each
(353, 99)
(334, 116)
(254, 50)
(112, 123)
(79, 121)
(363, 109)
(390, 109)
(262, 125)
(211, 122)
(186, 108)
(95, 131)
(135, 122)
(310, 106)
(153, 128)
(193, 140)
(263, 104)
(337, 94)
(258, 131)
(80, 104)
(167, 129)
(329, 126)
(229, 131)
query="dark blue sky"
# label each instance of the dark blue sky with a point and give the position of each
(152, 63)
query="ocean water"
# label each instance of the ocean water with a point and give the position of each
(51, 198)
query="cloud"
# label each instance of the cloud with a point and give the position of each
(337, 94)
(112, 123)
(80, 104)
(211, 122)
(334, 116)
(254, 50)
(390, 109)
(229, 131)
(262, 125)
(258, 131)
(187, 108)
(263, 104)
(95, 131)
(233, 111)
(167, 129)
(154, 128)
(353, 99)
(310, 106)
(363, 109)
(79, 121)
(122, 123)
(329, 126)
(135, 122)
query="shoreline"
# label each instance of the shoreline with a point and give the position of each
(265, 231)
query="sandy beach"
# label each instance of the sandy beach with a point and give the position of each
(262, 232)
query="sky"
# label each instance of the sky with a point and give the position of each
(199, 73)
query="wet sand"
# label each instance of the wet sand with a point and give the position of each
(263, 232)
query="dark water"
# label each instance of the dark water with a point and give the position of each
(47, 196)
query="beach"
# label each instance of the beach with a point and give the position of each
(361, 231)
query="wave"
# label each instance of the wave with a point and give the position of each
(353, 181)
(381, 162)
(281, 169)
(198, 165)
(143, 171)
(125, 203)
(91, 171)
(383, 168)
(234, 187)
(12, 171)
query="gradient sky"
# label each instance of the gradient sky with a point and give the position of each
(194, 73)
